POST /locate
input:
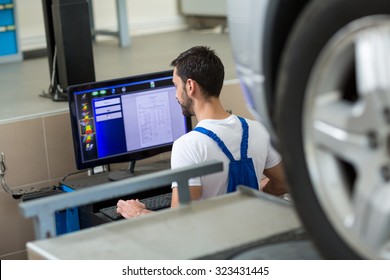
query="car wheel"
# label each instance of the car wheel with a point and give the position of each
(333, 122)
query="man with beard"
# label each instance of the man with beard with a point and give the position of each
(198, 77)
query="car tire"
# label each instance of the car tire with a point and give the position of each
(316, 33)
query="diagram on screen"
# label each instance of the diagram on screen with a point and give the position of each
(155, 125)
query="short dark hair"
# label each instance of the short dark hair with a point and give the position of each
(202, 65)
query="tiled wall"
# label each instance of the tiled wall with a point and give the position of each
(39, 153)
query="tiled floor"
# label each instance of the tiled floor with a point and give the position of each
(21, 83)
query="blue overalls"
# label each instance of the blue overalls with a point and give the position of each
(241, 172)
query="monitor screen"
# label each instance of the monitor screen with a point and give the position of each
(125, 119)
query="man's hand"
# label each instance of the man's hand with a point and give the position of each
(131, 208)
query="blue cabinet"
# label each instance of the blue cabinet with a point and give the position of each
(9, 45)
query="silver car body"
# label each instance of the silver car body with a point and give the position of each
(246, 27)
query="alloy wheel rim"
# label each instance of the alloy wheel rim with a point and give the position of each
(346, 132)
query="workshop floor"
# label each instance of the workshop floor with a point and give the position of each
(21, 83)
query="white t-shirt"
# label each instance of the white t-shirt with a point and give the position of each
(195, 147)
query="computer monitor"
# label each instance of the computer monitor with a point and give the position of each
(125, 119)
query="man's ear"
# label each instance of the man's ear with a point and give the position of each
(191, 87)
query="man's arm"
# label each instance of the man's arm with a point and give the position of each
(134, 208)
(195, 192)
(277, 184)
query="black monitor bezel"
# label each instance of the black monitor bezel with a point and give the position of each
(138, 155)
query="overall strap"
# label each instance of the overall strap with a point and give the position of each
(245, 136)
(221, 144)
(214, 136)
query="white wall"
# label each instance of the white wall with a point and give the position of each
(144, 17)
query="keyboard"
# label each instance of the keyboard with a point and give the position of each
(153, 203)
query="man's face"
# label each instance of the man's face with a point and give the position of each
(182, 97)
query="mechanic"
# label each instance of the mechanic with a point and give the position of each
(198, 77)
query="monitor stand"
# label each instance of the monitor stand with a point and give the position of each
(122, 174)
